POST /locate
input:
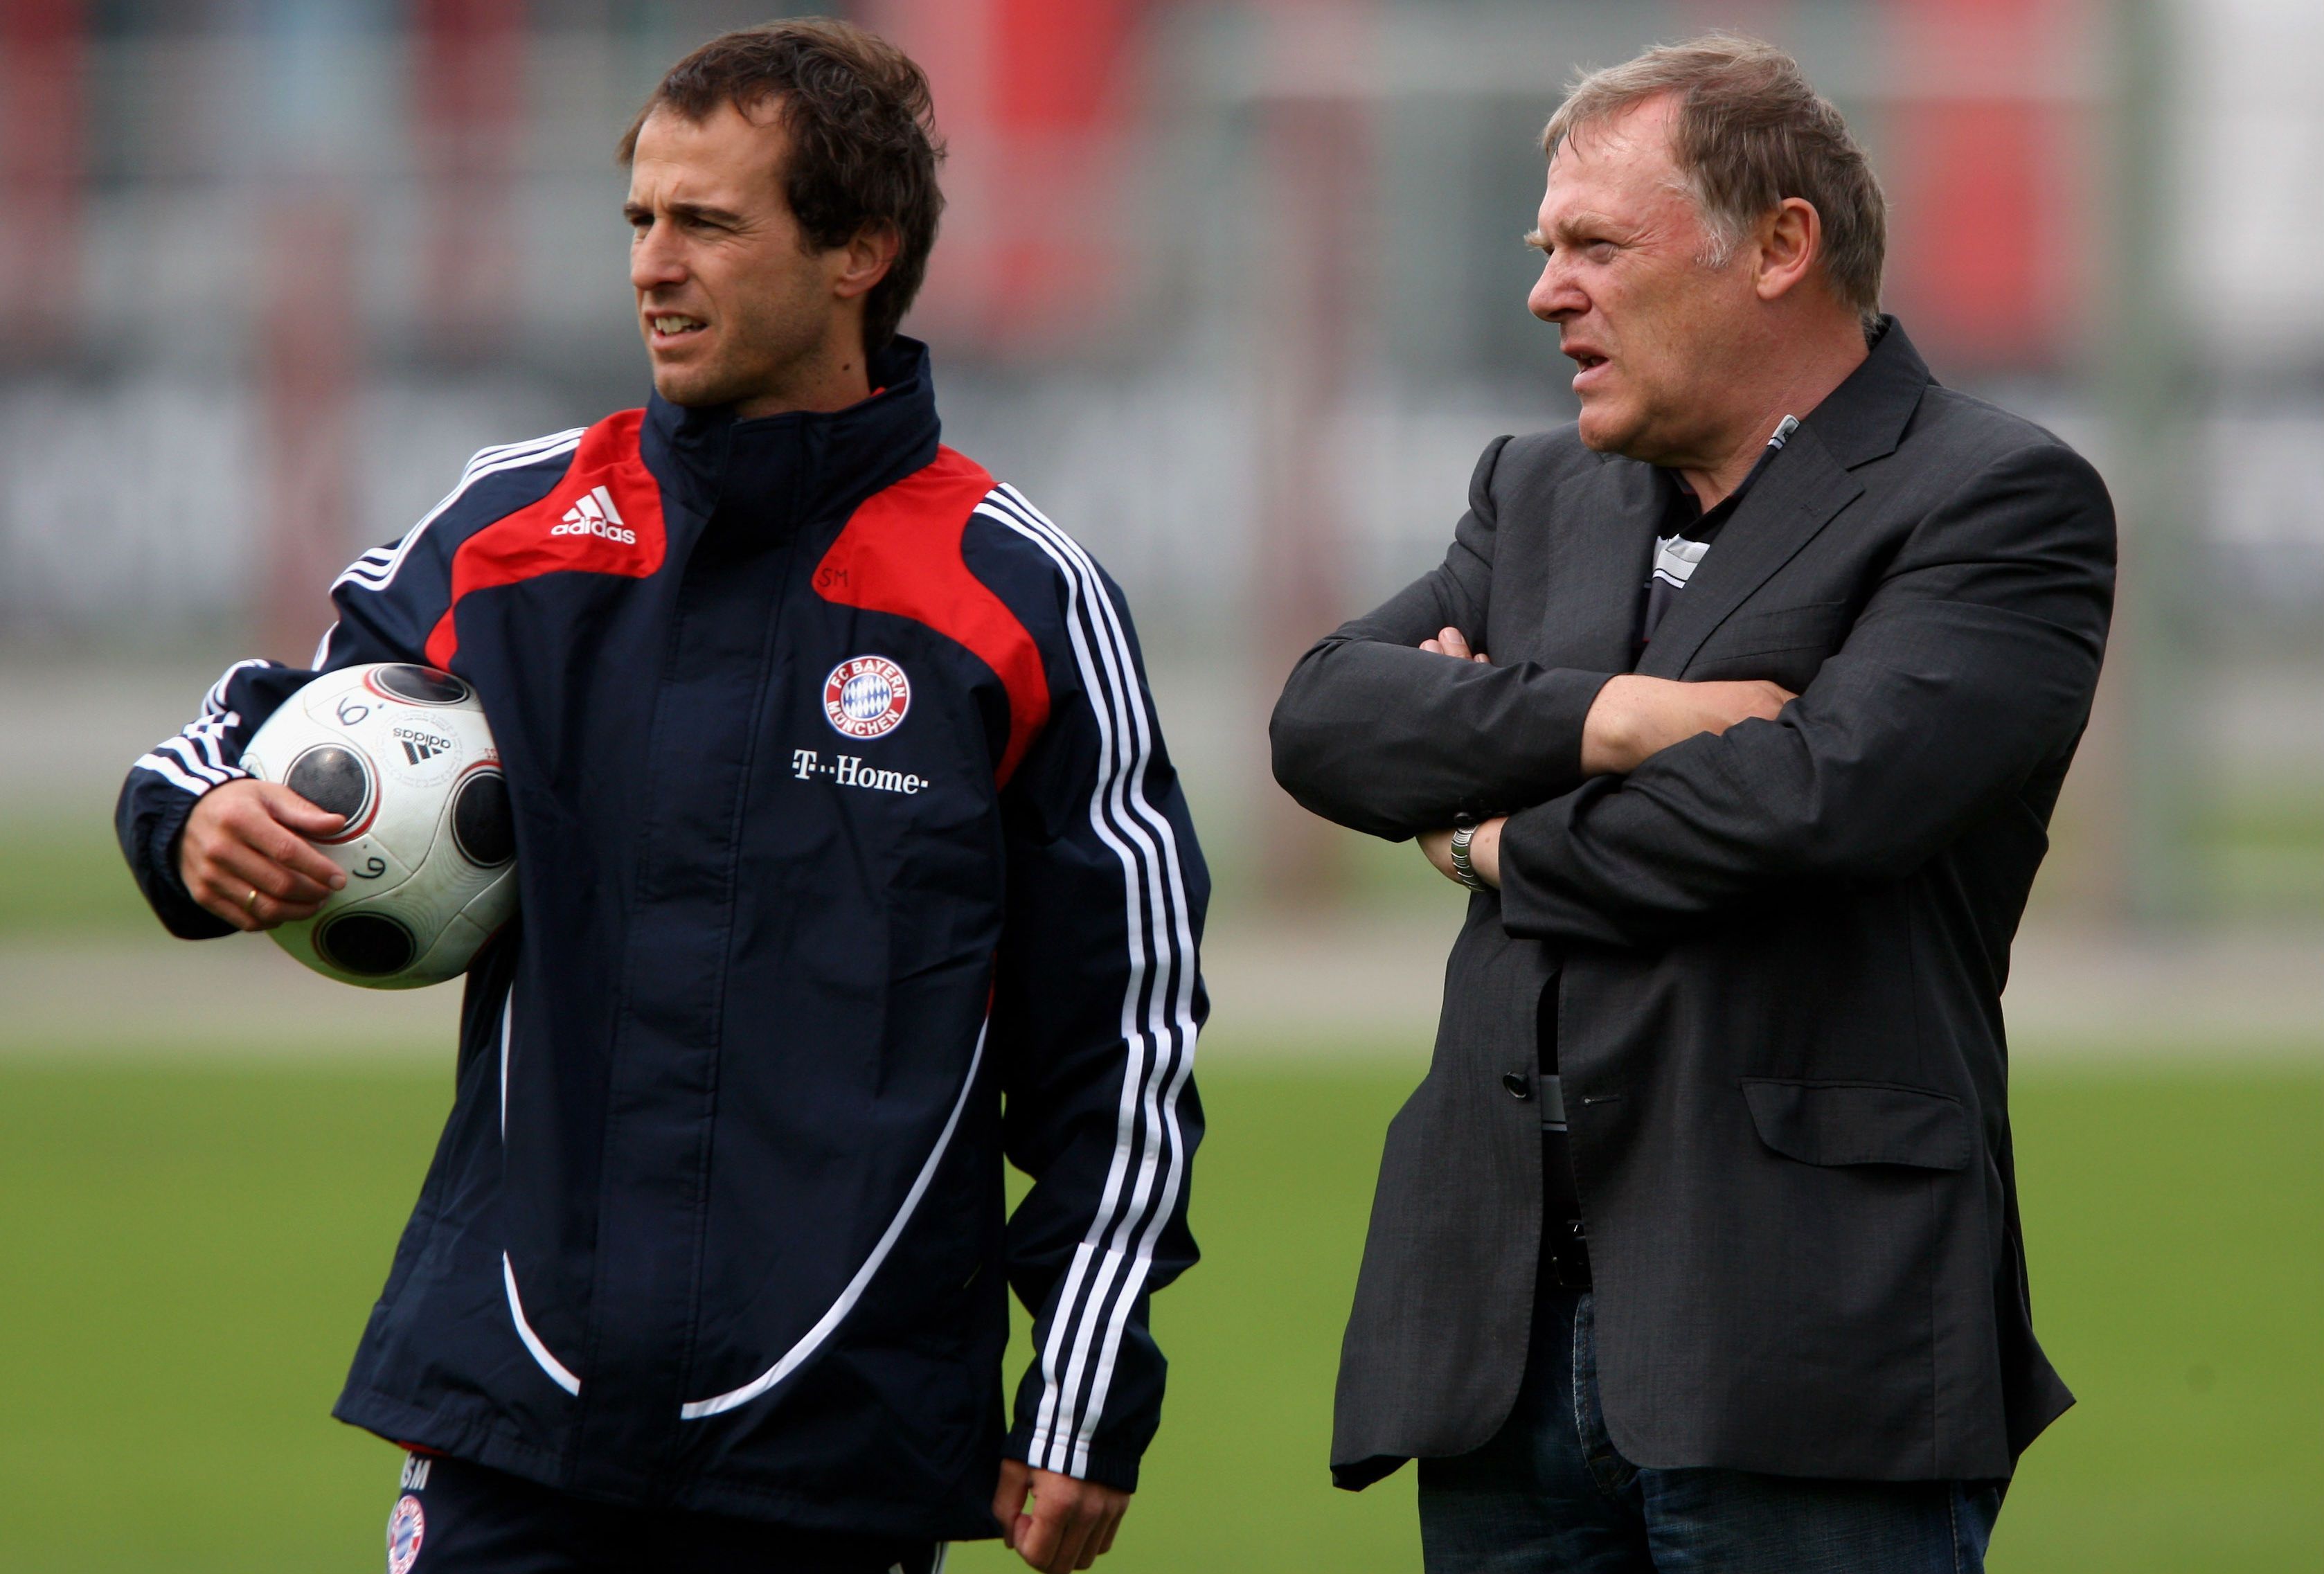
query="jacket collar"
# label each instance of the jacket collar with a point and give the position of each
(788, 469)
(1804, 488)
(1864, 418)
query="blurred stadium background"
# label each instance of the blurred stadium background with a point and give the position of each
(1234, 290)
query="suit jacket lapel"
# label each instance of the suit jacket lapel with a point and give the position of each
(1596, 567)
(1801, 491)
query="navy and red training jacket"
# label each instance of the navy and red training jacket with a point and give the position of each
(717, 1220)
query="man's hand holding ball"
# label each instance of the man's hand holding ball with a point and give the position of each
(245, 855)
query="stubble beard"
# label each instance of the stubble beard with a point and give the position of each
(760, 356)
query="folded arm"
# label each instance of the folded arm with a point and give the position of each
(1971, 666)
(1379, 735)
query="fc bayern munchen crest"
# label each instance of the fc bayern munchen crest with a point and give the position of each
(866, 696)
(405, 1527)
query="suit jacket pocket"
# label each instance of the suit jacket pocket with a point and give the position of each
(1859, 1123)
(1818, 626)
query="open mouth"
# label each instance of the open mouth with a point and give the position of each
(672, 325)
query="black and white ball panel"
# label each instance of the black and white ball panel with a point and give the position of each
(417, 685)
(482, 828)
(334, 777)
(370, 945)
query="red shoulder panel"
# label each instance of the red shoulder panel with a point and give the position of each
(603, 517)
(900, 553)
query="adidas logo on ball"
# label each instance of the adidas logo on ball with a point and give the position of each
(595, 515)
(419, 746)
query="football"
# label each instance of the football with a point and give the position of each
(430, 846)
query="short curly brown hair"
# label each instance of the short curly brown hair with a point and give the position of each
(863, 144)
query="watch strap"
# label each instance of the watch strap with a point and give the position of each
(1464, 831)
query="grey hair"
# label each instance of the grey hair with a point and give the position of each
(1749, 133)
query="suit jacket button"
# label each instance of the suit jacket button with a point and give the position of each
(1517, 1083)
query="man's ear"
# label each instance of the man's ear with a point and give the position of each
(1790, 240)
(864, 261)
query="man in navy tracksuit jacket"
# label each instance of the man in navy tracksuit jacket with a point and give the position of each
(708, 1270)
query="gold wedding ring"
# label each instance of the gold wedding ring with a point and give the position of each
(250, 903)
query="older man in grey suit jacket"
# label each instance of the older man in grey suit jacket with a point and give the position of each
(1741, 705)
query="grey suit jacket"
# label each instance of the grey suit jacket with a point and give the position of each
(1778, 954)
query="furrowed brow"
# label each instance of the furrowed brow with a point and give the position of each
(691, 211)
(1570, 227)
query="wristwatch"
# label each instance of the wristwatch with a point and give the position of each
(1465, 827)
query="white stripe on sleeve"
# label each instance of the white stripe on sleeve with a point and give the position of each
(1109, 1267)
(374, 572)
(194, 761)
(167, 768)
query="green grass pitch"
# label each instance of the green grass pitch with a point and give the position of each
(187, 1255)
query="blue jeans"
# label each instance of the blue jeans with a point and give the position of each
(1549, 1494)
